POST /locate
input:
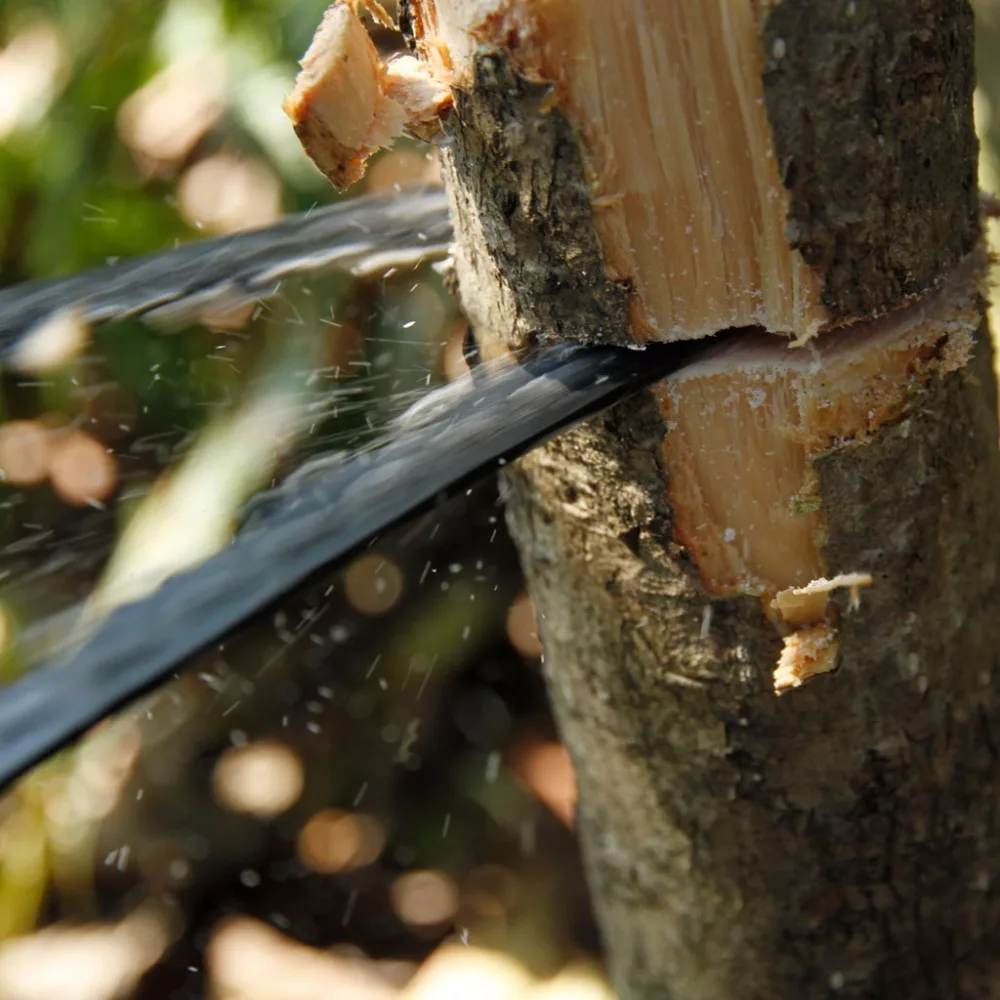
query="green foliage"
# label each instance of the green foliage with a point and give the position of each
(72, 192)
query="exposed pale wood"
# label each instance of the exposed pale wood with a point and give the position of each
(348, 104)
(692, 216)
(709, 212)
(839, 840)
(745, 428)
(648, 169)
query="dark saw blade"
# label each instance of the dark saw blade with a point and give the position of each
(314, 521)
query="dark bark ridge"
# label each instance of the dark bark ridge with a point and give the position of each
(840, 841)
(523, 181)
(870, 104)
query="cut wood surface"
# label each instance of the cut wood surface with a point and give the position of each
(814, 519)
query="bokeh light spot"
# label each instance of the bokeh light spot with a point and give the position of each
(373, 584)
(263, 779)
(522, 628)
(24, 452)
(424, 898)
(81, 469)
(336, 841)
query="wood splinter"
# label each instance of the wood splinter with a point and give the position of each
(348, 103)
(745, 429)
(812, 647)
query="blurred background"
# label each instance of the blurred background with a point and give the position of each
(361, 794)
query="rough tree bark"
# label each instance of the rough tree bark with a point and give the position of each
(650, 170)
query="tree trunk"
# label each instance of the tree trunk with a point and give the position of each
(652, 170)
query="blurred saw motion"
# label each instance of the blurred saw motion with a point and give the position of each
(454, 436)
(361, 235)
